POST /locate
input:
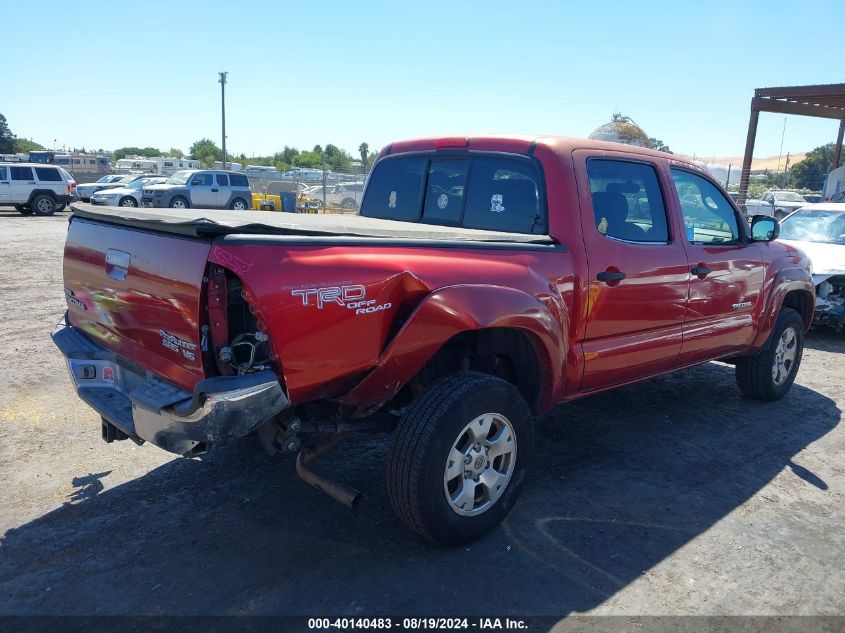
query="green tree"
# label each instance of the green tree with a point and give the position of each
(205, 151)
(123, 152)
(25, 146)
(660, 146)
(175, 153)
(7, 139)
(364, 151)
(810, 172)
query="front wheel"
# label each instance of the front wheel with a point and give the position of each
(769, 374)
(178, 203)
(459, 457)
(127, 201)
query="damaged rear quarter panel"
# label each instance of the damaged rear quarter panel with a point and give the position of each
(331, 311)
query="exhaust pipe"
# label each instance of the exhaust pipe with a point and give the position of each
(344, 494)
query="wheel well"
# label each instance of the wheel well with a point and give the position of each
(38, 192)
(507, 353)
(798, 301)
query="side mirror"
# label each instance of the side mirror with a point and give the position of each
(764, 228)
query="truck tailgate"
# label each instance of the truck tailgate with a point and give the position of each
(138, 294)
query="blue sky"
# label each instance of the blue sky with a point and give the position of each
(306, 73)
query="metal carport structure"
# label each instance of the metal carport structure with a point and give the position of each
(823, 100)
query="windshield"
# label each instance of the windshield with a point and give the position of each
(179, 177)
(789, 196)
(815, 226)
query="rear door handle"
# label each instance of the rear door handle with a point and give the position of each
(609, 275)
(701, 271)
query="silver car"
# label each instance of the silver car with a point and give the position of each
(127, 195)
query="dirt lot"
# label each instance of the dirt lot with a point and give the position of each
(674, 496)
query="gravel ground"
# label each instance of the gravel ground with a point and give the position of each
(673, 496)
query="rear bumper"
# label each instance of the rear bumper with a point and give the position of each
(145, 408)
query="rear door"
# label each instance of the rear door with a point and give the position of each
(222, 189)
(22, 183)
(726, 270)
(203, 191)
(638, 272)
(138, 294)
(5, 184)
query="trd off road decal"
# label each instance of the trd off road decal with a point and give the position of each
(350, 297)
(175, 344)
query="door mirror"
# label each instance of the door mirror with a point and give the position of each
(764, 228)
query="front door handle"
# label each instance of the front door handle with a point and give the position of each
(611, 276)
(701, 271)
(215, 190)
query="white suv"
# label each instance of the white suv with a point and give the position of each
(36, 188)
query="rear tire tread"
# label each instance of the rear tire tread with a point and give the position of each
(403, 471)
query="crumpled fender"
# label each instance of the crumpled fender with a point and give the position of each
(454, 309)
(776, 288)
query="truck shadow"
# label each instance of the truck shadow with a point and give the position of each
(620, 482)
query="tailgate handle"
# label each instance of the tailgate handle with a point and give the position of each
(117, 264)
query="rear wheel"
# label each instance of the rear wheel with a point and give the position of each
(238, 204)
(127, 201)
(348, 204)
(178, 203)
(43, 204)
(459, 456)
(769, 374)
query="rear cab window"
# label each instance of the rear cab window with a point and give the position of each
(478, 191)
(627, 200)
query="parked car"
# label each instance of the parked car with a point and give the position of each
(344, 195)
(127, 195)
(813, 197)
(86, 190)
(778, 204)
(484, 281)
(819, 231)
(35, 188)
(204, 189)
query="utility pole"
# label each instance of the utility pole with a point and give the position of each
(222, 81)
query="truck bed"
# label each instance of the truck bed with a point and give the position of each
(211, 222)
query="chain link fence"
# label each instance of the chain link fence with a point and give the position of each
(315, 190)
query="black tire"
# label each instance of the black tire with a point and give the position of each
(429, 429)
(174, 203)
(348, 204)
(127, 201)
(43, 204)
(234, 205)
(755, 374)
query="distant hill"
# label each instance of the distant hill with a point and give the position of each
(757, 164)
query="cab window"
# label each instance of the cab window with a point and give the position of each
(444, 195)
(709, 218)
(395, 189)
(627, 201)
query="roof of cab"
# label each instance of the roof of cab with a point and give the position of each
(522, 143)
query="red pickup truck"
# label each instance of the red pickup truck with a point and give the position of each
(483, 281)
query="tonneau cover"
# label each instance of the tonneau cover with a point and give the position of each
(205, 222)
